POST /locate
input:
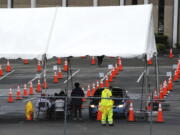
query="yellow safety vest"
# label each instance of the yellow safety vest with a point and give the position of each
(29, 110)
(106, 104)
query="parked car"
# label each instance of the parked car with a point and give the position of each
(120, 107)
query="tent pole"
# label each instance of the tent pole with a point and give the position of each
(44, 60)
(157, 73)
(146, 74)
(66, 100)
(142, 89)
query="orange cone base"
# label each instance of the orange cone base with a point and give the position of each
(10, 100)
(131, 116)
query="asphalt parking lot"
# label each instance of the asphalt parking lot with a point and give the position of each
(12, 121)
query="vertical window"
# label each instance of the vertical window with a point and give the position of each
(134, 2)
(161, 17)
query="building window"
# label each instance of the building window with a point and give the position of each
(161, 17)
(134, 2)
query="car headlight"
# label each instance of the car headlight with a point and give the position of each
(92, 106)
(120, 106)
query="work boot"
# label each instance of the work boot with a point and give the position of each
(111, 125)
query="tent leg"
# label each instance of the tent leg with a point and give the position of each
(157, 73)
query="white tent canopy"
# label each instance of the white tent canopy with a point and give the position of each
(125, 31)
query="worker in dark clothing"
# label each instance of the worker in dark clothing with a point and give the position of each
(100, 60)
(76, 103)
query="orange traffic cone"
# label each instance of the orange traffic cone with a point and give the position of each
(45, 86)
(175, 76)
(10, 96)
(150, 62)
(55, 78)
(99, 115)
(160, 114)
(25, 61)
(1, 71)
(161, 94)
(60, 76)
(65, 66)
(171, 53)
(39, 68)
(148, 105)
(38, 87)
(97, 84)
(118, 60)
(18, 94)
(165, 91)
(8, 67)
(107, 82)
(120, 66)
(155, 98)
(101, 84)
(93, 89)
(131, 113)
(93, 61)
(170, 84)
(88, 91)
(113, 72)
(58, 60)
(31, 89)
(110, 77)
(25, 92)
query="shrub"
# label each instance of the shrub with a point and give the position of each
(161, 47)
(162, 39)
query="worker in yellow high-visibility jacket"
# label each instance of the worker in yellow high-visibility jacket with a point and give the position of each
(106, 107)
(29, 110)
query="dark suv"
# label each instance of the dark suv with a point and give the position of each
(120, 107)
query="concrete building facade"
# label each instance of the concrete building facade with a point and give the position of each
(166, 12)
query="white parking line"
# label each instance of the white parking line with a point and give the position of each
(72, 76)
(36, 77)
(7, 74)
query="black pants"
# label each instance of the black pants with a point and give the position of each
(100, 60)
(76, 109)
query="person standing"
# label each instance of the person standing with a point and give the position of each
(106, 107)
(100, 60)
(76, 103)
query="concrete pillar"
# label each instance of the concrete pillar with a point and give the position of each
(95, 3)
(146, 1)
(64, 3)
(33, 3)
(9, 3)
(121, 2)
(175, 23)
